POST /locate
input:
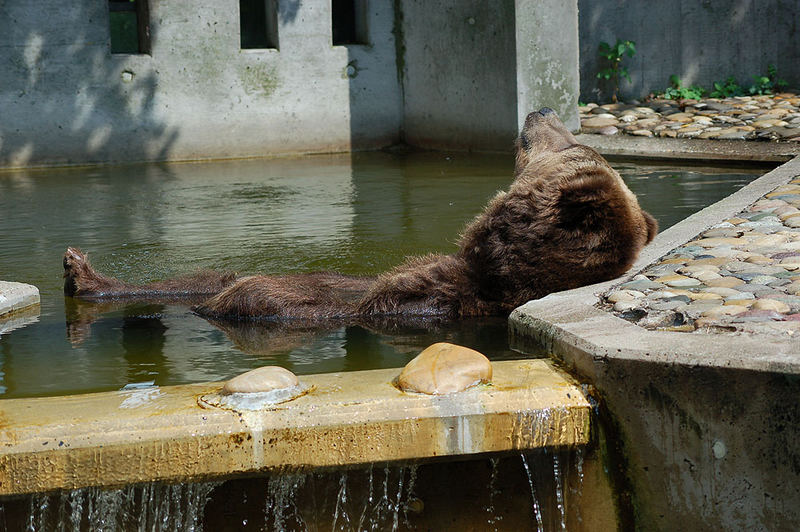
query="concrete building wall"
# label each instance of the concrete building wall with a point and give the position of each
(699, 40)
(459, 74)
(65, 98)
(459, 69)
(547, 47)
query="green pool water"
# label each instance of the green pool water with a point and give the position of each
(357, 214)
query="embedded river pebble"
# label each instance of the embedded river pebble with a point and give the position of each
(768, 117)
(741, 275)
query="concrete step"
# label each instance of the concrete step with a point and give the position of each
(15, 297)
(150, 434)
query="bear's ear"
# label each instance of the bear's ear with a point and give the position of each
(585, 202)
(652, 226)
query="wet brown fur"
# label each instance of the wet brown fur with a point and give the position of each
(567, 220)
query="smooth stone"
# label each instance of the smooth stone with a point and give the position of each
(624, 306)
(756, 315)
(666, 294)
(771, 304)
(739, 296)
(444, 368)
(714, 261)
(660, 320)
(695, 309)
(793, 288)
(703, 296)
(599, 121)
(759, 290)
(747, 276)
(608, 131)
(706, 276)
(642, 133)
(726, 282)
(624, 295)
(719, 241)
(669, 304)
(722, 232)
(259, 380)
(724, 310)
(678, 281)
(740, 302)
(734, 135)
(641, 284)
(764, 279)
(661, 270)
(721, 291)
(758, 259)
(736, 220)
(696, 268)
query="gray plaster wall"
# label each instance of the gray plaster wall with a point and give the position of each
(65, 98)
(459, 65)
(699, 40)
(458, 74)
(547, 46)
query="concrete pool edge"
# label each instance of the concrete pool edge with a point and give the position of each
(152, 434)
(570, 323)
(16, 297)
(708, 424)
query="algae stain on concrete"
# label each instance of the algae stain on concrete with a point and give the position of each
(260, 80)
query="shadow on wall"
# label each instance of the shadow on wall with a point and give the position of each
(66, 98)
(701, 41)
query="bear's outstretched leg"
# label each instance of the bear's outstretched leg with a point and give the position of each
(81, 280)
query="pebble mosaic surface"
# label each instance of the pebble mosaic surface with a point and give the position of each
(741, 275)
(769, 117)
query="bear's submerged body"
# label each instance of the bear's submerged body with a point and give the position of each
(567, 220)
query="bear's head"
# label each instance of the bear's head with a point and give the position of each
(545, 149)
(543, 133)
(567, 220)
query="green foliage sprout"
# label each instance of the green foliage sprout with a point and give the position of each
(678, 92)
(727, 89)
(769, 83)
(614, 55)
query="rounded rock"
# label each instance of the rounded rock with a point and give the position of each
(727, 310)
(444, 368)
(624, 295)
(771, 304)
(259, 380)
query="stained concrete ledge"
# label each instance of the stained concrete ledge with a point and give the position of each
(696, 150)
(17, 296)
(349, 418)
(708, 424)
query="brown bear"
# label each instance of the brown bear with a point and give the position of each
(567, 220)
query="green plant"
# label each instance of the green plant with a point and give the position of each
(767, 84)
(614, 55)
(727, 89)
(679, 92)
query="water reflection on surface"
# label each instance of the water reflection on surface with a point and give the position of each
(358, 214)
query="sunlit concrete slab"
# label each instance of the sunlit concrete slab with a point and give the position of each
(15, 297)
(352, 418)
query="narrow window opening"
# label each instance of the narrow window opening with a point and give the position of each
(349, 22)
(129, 24)
(258, 23)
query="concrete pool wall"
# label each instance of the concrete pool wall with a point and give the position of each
(708, 423)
